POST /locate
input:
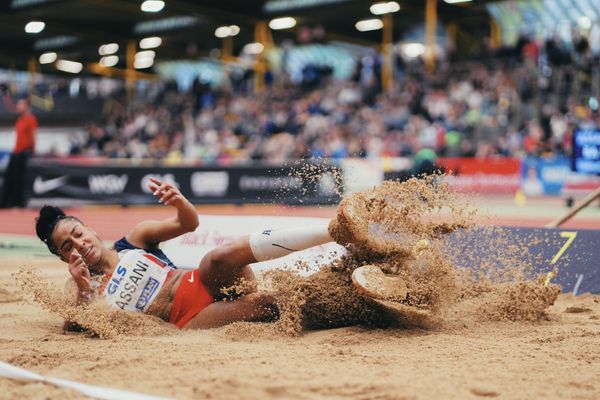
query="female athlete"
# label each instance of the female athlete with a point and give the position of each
(134, 274)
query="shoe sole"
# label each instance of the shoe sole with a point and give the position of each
(379, 289)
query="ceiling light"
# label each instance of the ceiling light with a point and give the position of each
(413, 50)
(141, 63)
(222, 31)
(369, 25)
(145, 54)
(106, 49)
(234, 30)
(384, 8)
(225, 31)
(52, 43)
(164, 24)
(26, 3)
(584, 22)
(72, 67)
(35, 27)
(253, 48)
(109, 61)
(273, 6)
(150, 42)
(282, 23)
(456, 1)
(152, 5)
(47, 58)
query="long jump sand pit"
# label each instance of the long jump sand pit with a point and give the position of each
(556, 357)
(490, 332)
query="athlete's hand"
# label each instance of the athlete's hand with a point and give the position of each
(79, 271)
(166, 193)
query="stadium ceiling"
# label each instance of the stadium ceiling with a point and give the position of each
(75, 29)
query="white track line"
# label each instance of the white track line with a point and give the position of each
(10, 371)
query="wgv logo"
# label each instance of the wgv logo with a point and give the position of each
(107, 184)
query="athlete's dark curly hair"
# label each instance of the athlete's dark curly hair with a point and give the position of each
(49, 217)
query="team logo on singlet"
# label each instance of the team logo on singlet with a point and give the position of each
(147, 292)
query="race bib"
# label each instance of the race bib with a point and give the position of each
(136, 281)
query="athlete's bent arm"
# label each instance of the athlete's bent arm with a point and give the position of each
(148, 234)
(78, 286)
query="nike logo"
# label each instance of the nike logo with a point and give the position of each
(41, 186)
(191, 280)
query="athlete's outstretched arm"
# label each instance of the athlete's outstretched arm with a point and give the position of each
(149, 233)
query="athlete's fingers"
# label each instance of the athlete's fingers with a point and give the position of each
(156, 181)
(82, 277)
(74, 256)
(76, 272)
(155, 184)
(170, 197)
(170, 191)
(77, 267)
(175, 197)
(74, 267)
(162, 189)
(85, 276)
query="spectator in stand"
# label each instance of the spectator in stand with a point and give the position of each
(14, 178)
(509, 107)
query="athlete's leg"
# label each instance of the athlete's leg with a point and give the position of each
(253, 307)
(225, 265)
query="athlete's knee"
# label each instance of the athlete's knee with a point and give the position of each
(223, 255)
(215, 257)
(220, 255)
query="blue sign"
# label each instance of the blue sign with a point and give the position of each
(568, 257)
(544, 176)
(586, 151)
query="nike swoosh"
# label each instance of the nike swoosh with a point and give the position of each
(41, 186)
(191, 280)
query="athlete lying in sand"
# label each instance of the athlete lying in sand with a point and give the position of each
(188, 299)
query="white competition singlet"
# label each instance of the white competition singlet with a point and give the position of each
(136, 281)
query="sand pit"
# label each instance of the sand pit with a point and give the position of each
(555, 357)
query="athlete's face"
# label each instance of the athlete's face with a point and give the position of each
(71, 235)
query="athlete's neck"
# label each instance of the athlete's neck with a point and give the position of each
(108, 263)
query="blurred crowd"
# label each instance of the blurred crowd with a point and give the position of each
(526, 100)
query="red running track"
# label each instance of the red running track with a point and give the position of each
(112, 222)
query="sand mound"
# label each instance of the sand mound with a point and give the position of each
(6, 296)
(97, 317)
(402, 228)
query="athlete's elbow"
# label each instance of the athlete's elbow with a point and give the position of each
(191, 224)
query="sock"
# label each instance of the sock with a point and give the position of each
(270, 244)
